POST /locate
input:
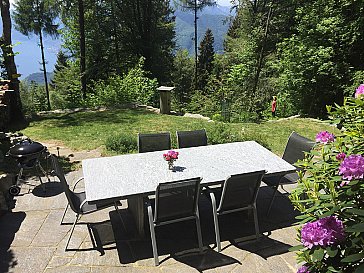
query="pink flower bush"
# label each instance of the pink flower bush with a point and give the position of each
(325, 137)
(359, 91)
(303, 269)
(340, 156)
(171, 156)
(352, 167)
(323, 232)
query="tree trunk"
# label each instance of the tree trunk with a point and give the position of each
(81, 22)
(260, 59)
(16, 113)
(195, 23)
(44, 69)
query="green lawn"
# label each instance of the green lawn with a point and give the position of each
(89, 130)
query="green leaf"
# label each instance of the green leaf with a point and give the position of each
(356, 228)
(360, 269)
(331, 251)
(295, 248)
(353, 258)
(318, 254)
(356, 211)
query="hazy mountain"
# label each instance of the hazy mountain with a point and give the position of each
(215, 18)
(38, 77)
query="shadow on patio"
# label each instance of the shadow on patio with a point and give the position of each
(179, 241)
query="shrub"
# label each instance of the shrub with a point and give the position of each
(122, 143)
(222, 133)
(33, 97)
(135, 86)
(333, 187)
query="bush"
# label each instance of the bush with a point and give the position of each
(135, 86)
(33, 97)
(330, 196)
(222, 133)
(122, 143)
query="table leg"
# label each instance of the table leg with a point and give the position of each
(136, 207)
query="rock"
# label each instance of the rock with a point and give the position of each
(196, 116)
(6, 181)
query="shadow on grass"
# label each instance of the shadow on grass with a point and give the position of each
(83, 118)
(9, 225)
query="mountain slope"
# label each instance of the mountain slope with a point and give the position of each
(215, 18)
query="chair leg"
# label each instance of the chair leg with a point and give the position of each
(73, 228)
(152, 235)
(64, 214)
(271, 201)
(256, 224)
(198, 227)
(216, 222)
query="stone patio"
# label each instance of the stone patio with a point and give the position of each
(32, 239)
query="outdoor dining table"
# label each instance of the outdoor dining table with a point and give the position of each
(134, 176)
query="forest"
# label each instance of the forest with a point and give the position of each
(308, 54)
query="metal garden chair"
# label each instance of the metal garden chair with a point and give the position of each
(154, 142)
(195, 138)
(76, 201)
(239, 192)
(295, 150)
(174, 202)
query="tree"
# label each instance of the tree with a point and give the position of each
(195, 6)
(148, 31)
(205, 59)
(37, 17)
(16, 114)
(61, 63)
(181, 78)
(321, 59)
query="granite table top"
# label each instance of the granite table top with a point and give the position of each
(123, 176)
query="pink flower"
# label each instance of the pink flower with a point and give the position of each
(359, 91)
(325, 137)
(323, 232)
(171, 155)
(340, 156)
(352, 168)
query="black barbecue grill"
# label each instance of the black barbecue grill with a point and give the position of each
(28, 154)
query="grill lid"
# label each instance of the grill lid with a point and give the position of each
(26, 147)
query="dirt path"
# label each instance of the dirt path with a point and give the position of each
(74, 156)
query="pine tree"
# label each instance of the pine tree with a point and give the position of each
(205, 59)
(195, 6)
(61, 63)
(37, 17)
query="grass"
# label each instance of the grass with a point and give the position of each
(90, 130)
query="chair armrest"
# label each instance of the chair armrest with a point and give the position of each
(82, 204)
(76, 182)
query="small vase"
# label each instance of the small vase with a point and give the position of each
(170, 165)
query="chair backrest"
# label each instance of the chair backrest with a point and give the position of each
(195, 138)
(177, 199)
(296, 147)
(71, 198)
(240, 190)
(154, 142)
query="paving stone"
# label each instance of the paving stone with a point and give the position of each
(29, 228)
(123, 269)
(31, 260)
(253, 264)
(277, 264)
(70, 269)
(93, 257)
(32, 240)
(51, 232)
(57, 261)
